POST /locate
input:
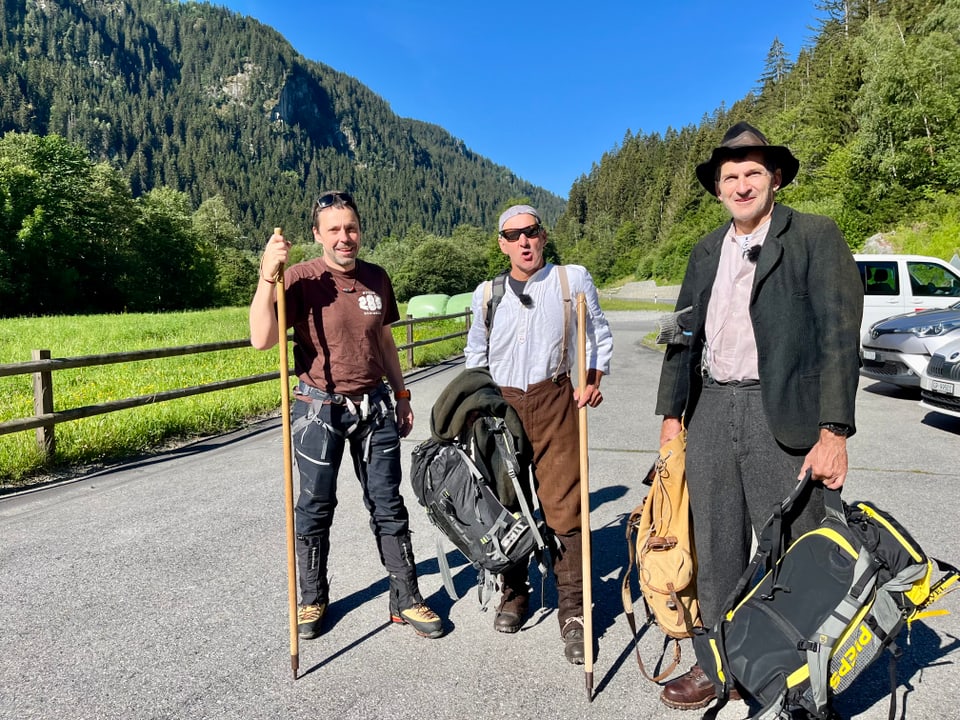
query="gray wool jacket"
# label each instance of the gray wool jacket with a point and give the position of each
(805, 307)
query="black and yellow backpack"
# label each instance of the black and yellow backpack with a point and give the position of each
(803, 624)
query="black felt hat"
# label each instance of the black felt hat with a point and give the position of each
(739, 140)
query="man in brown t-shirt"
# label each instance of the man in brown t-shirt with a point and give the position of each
(341, 309)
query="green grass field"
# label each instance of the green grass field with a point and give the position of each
(124, 433)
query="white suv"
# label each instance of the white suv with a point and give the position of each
(897, 284)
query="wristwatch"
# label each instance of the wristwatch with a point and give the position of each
(837, 429)
(402, 394)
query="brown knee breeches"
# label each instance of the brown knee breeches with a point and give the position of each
(549, 415)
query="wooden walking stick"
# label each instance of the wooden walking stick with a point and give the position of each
(585, 499)
(287, 470)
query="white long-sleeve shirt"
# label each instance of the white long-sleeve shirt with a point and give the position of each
(525, 342)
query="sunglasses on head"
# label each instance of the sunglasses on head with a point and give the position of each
(329, 199)
(513, 235)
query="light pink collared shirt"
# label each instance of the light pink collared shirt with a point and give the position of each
(731, 348)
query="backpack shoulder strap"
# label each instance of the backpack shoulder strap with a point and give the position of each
(508, 452)
(567, 310)
(493, 291)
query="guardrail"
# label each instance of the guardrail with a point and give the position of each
(42, 366)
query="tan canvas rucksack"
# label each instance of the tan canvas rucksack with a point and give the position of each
(660, 545)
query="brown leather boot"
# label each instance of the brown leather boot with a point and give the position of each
(514, 602)
(573, 640)
(691, 690)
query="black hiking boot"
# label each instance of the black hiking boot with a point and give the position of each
(424, 621)
(406, 603)
(310, 619)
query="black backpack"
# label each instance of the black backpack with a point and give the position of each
(805, 622)
(474, 482)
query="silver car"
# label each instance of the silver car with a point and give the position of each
(897, 350)
(940, 382)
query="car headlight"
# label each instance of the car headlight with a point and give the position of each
(936, 329)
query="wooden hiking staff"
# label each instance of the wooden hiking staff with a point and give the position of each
(287, 469)
(585, 499)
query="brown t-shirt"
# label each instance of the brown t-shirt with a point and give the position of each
(337, 319)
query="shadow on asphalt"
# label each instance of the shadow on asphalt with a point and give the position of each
(422, 373)
(892, 391)
(157, 456)
(947, 423)
(345, 649)
(921, 651)
(921, 647)
(936, 420)
(609, 564)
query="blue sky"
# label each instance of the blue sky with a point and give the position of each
(544, 88)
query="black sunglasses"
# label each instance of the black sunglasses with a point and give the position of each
(514, 235)
(328, 199)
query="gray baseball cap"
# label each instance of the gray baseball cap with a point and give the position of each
(515, 210)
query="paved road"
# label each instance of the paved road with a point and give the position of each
(158, 590)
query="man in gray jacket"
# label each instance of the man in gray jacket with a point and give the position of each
(766, 380)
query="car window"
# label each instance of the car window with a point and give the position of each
(879, 277)
(928, 279)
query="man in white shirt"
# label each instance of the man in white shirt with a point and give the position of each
(530, 358)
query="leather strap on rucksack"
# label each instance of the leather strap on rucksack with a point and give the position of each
(660, 545)
(626, 596)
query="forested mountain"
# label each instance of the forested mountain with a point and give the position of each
(871, 109)
(150, 145)
(199, 99)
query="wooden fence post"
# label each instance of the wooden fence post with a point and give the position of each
(409, 340)
(43, 404)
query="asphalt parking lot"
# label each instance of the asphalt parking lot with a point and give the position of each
(158, 589)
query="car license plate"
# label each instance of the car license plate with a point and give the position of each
(869, 355)
(941, 387)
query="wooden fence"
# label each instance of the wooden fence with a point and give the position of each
(42, 366)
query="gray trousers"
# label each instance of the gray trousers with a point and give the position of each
(737, 473)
